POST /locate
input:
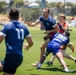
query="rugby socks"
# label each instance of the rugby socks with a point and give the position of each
(39, 65)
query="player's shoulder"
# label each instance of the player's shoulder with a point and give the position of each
(24, 26)
(8, 25)
(51, 19)
(41, 17)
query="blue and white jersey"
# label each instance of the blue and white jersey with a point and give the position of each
(14, 33)
(48, 23)
(60, 39)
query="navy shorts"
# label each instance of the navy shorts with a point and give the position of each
(11, 63)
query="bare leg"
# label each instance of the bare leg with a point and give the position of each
(50, 63)
(42, 60)
(67, 55)
(53, 58)
(60, 58)
(7, 74)
(1, 67)
(43, 46)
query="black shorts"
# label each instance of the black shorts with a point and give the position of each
(11, 62)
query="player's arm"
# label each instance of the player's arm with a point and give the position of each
(32, 24)
(3, 32)
(2, 36)
(29, 41)
(70, 45)
(56, 29)
(64, 27)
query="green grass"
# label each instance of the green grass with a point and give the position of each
(32, 56)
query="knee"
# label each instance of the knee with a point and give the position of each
(45, 54)
(64, 54)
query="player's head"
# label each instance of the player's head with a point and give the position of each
(46, 12)
(62, 18)
(67, 33)
(14, 14)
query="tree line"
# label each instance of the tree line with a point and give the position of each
(29, 14)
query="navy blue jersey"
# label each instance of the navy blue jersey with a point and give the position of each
(14, 33)
(60, 39)
(48, 23)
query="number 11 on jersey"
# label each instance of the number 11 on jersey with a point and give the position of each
(20, 33)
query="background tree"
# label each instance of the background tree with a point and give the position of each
(30, 14)
(60, 7)
(53, 4)
(18, 3)
(73, 10)
(3, 7)
(68, 4)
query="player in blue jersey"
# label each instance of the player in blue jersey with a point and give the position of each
(14, 34)
(50, 27)
(63, 27)
(54, 47)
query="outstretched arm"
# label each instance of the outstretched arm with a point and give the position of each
(32, 24)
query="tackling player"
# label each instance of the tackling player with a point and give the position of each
(63, 28)
(54, 47)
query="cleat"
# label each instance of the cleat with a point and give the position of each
(49, 63)
(35, 64)
(66, 70)
(38, 67)
(75, 61)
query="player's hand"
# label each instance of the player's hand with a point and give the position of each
(70, 45)
(28, 23)
(33, 23)
(46, 37)
(26, 47)
(46, 32)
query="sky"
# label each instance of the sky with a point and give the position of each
(73, 1)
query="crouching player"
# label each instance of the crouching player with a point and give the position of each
(54, 47)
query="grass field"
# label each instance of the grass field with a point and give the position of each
(32, 55)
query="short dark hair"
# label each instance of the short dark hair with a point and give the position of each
(46, 8)
(67, 33)
(14, 13)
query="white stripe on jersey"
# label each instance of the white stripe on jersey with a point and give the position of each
(54, 25)
(28, 35)
(2, 34)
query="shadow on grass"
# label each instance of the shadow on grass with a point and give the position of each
(33, 74)
(51, 69)
(71, 71)
(57, 69)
